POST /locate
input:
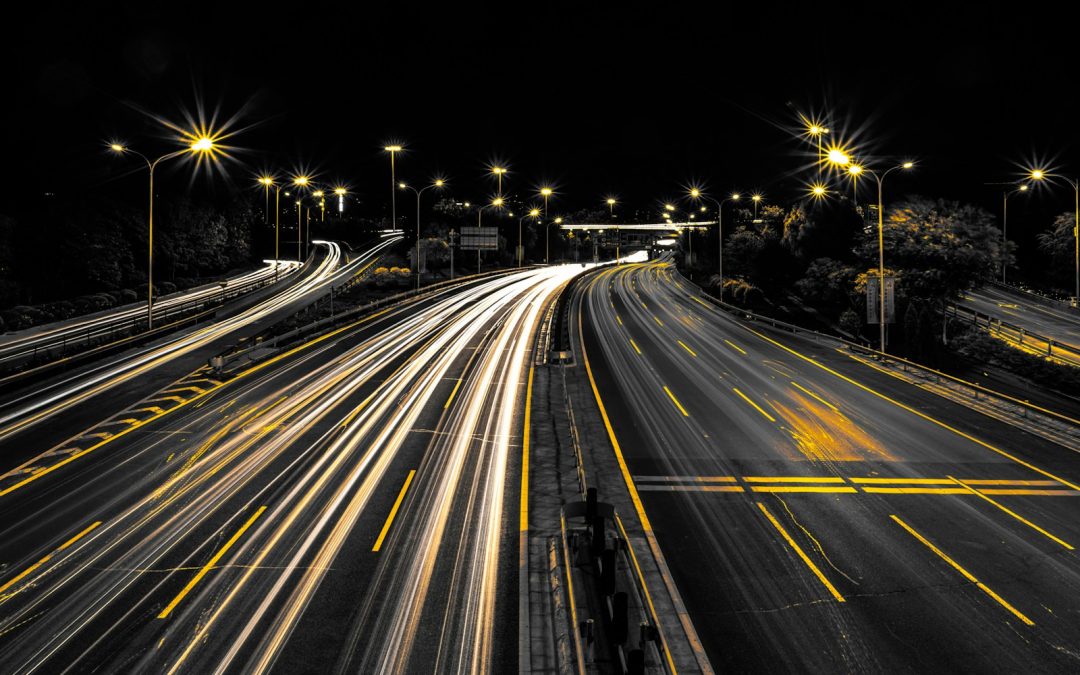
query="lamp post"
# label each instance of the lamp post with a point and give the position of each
(322, 204)
(393, 150)
(1040, 174)
(546, 192)
(300, 182)
(197, 145)
(533, 213)
(499, 171)
(843, 160)
(695, 193)
(816, 131)
(437, 184)
(496, 203)
(340, 193)
(1005, 225)
(266, 182)
(755, 199)
(618, 234)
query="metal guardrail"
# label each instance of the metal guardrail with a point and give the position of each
(605, 570)
(223, 360)
(1017, 335)
(631, 651)
(102, 349)
(106, 332)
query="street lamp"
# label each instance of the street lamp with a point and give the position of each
(340, 193)
(695, 193)
(755, 198)
(495, 203)
(499, 171)
(266, 182)
(203, 145)
(533, 213)
(880, 178)
(1040, 174)
(1005, 194)
(300, 182)
(816, 131)
(393, 150)
(818, 191)
(322, 204)
(618, 233)
(546, 192)
(439, 182)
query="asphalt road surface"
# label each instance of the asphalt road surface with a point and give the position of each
(819, 515)
(1057, 323)
(23, 345)
(349, 506)
(57, 408)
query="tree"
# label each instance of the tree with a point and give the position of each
(1059, 243)
(823, 228)
(938, 248)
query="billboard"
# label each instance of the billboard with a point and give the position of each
(479, 238)
(873, 296)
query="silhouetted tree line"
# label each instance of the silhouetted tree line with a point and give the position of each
(77, 255)
(820, 253)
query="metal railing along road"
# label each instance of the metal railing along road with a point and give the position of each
(80, 334)
(1019, 336)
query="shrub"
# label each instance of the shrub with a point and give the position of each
(128, 296)
(14, 320)
(979, 346)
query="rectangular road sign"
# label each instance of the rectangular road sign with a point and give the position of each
(479, 238)
(873, 294)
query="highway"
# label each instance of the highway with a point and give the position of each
(138, 368)
(819, 514)
(20, 346)
(1057, 323)
(347, 506)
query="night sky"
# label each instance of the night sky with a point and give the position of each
(596, 98)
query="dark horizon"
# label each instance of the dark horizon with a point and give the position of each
(621, 101)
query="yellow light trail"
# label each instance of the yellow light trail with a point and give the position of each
(634, 345)
(210, 565)
(683, 345)
(967, 575)
(393, 512)
(798, 549)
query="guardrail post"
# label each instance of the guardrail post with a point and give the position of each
(607, 573)
(620, 615)
(598, 536)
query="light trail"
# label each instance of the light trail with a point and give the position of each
(314, 440)
(35, 407)
(26, 344)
